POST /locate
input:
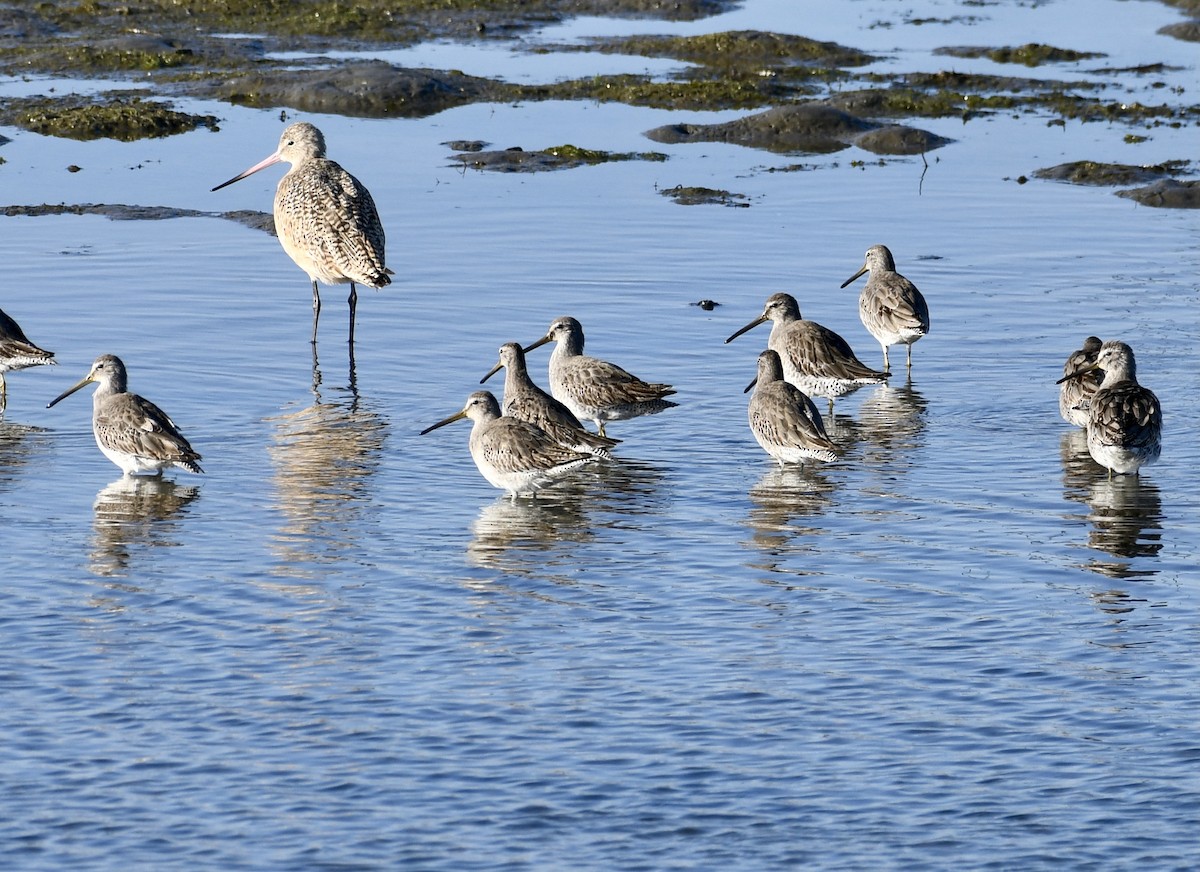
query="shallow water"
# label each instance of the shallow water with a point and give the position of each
(961, 647)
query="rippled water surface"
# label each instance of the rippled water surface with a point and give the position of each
(963, 646)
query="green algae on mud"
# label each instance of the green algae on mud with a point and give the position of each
(1088, 172)
(690, 195)
(559, 157)
(694, 94)
(737, 49)
(1031, 54)
(292, 23)
(814, 128)
(121, 118)
(1159, 187)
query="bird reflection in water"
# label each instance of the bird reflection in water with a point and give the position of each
(782, 501)
(19, 445)
(1125, 512)
(603, 500)
(519, 537)
(324, 457)
(135, 514)
(892, 420)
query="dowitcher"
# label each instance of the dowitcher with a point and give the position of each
(513, 455)
(786, 423)
(1124, 429)
(890, 306)
(593, 389)
(1075, 394)
(324, 217)
(525, 401)
(17, 352)
(130, 430)
(815, 359)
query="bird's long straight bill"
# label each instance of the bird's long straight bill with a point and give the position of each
(68, 392)
(1082, 371)
(853, 277)
(261, 165)
(457, 416)
(491, 372)
(538, 344)
(748, 327)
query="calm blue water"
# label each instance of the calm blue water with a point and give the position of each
(962, 647)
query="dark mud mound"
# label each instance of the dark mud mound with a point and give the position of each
(559, 157)
(1166, 194)
(371, 89)
(1089, 172)
(814, 128)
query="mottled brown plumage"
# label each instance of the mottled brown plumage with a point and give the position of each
(890, 306)
(525, 401)
(1075, 394)
(513, 455)
(325, 218)
(593, 389)
(815, 359)
(17, 352)
(130, 430)
(1124, 430)
(784, 421)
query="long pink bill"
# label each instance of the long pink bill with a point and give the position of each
(261, 165)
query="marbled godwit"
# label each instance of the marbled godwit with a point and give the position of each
(324, 217)
(1075, 394)
(890, 306)
(513, 455)
(525, 401)
(1124, 430)
(783, 419)
(593, 389)
(17, 352)
(815, 359)
(130, 430)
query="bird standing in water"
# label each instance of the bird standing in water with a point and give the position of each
(1075, 394)
(130, 430)
(594, 389)
(525, 401)
(815, 359)
(513, 455)
(17, 352)
(890, 306)
(1124, 429)
(325, 218)
(784, 421)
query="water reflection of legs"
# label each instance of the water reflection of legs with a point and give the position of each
(782, 500)
(352, 375)
(529, 536)
(135, 511)
(1125, 511)
(325, 457)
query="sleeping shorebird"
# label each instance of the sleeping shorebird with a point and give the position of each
(1075, 394)
(17, 352)
(513, 455)
(890, 306)
(130, 430)
(1124, 429)
(593, 389)
(815, 359)
(525, 401)
(324, 217)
